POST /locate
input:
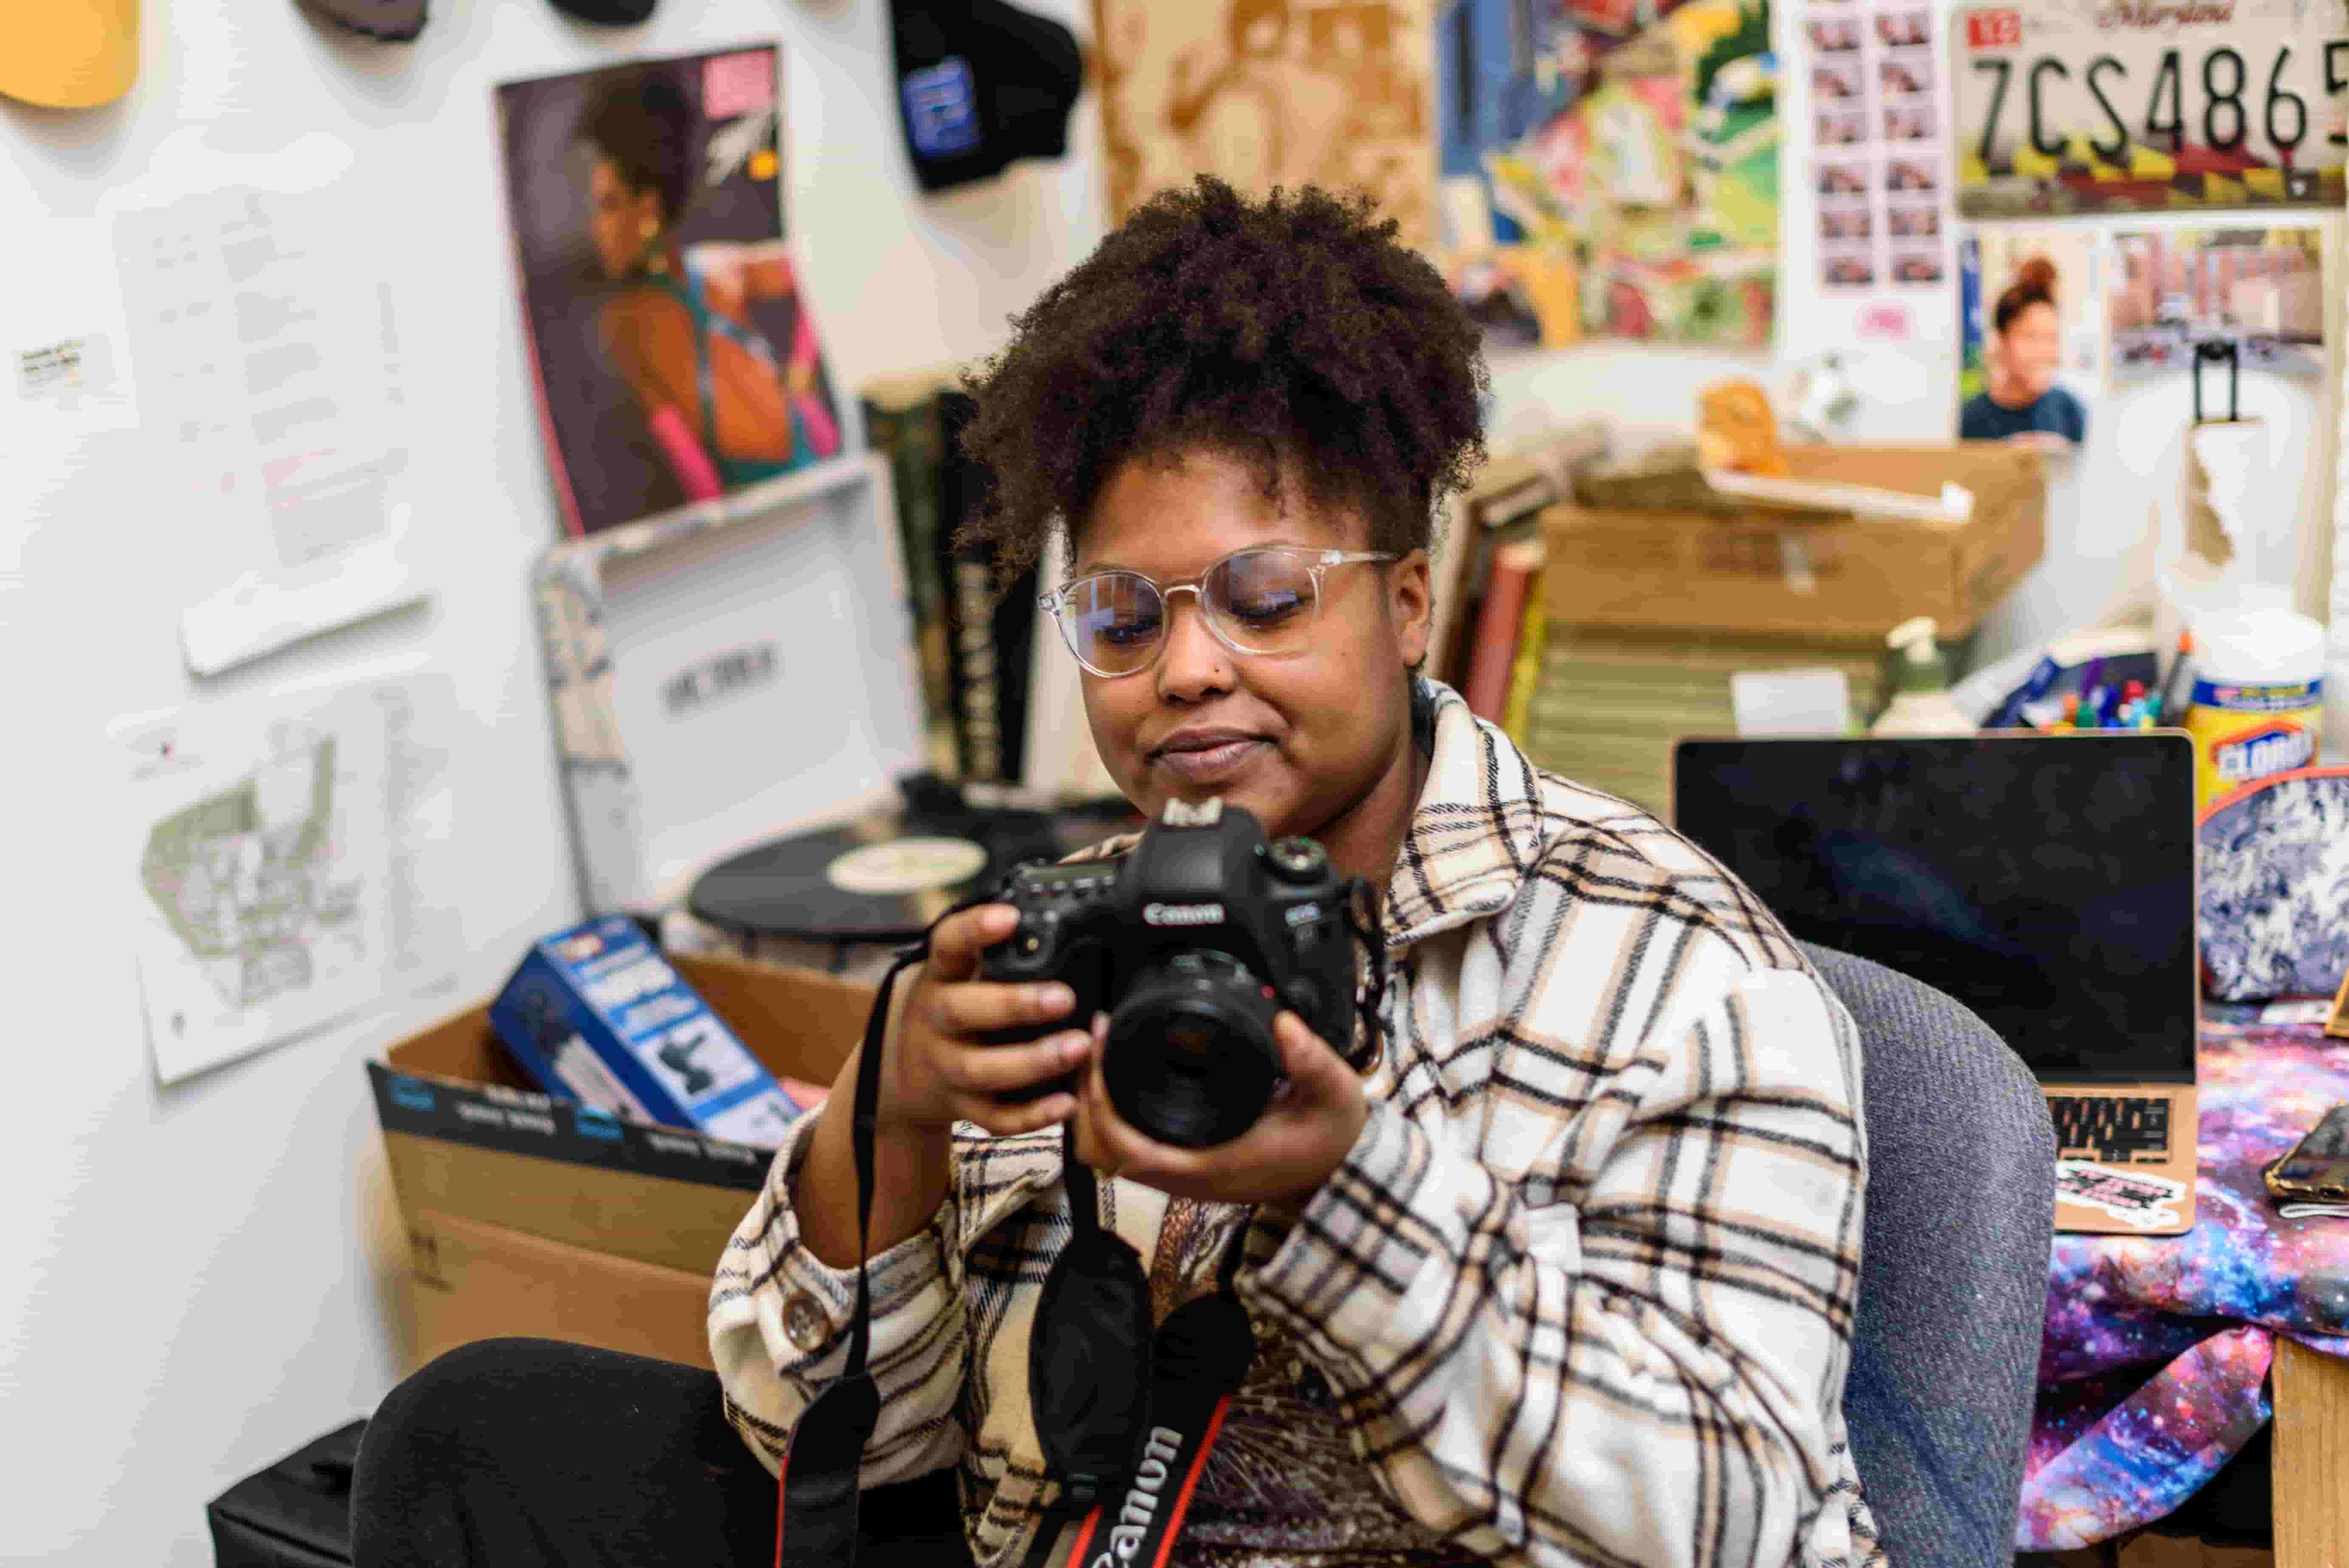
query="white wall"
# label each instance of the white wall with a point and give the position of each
(192, 1279)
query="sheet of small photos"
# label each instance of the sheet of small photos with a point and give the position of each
(1880, 122)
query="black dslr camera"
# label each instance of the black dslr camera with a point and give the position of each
(1192, 942)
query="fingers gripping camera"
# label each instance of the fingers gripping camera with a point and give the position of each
(1193, 942)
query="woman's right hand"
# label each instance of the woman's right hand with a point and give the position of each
(941, 1067)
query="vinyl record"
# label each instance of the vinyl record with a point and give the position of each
(884, 878)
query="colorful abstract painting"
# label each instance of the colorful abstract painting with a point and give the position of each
(1611, 170)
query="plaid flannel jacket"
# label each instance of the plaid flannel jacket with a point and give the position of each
(1585, 1285)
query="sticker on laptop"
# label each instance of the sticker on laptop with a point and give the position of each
(2129, 1196)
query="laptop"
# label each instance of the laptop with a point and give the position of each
(2044, 880)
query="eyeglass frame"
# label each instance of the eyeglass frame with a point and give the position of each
(1317, 562)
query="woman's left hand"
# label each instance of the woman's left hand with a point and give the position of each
(1301, 1139)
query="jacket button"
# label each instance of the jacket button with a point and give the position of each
(805, 1322)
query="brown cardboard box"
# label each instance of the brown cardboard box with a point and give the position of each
(529, 1216)
(1823, 578)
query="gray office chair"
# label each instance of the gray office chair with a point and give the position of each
(1953, 1275)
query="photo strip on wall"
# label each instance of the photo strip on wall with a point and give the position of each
(1879, 121)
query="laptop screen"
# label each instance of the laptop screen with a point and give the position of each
(2046, 882)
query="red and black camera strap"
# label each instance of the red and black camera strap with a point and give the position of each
(1196, 1359)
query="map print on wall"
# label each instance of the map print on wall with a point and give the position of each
(284, 848)
(251, 882)
(1610, 168)
(1262, 93)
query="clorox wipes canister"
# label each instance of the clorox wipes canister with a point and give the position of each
(2258, 696)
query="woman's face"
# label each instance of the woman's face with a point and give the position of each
(1303, 739)
(2033, 348)
(619, 220)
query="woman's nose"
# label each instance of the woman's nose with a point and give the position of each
(1194, 661)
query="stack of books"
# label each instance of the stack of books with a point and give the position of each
(1491, 610)
(1002, 713)
(1608, 704)
(973, 649)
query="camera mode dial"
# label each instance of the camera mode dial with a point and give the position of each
(1296, 860)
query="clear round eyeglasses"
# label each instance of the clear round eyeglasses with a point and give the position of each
(1261, 600)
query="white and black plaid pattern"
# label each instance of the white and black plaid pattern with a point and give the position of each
(1584, 1288)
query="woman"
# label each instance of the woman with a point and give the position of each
(2021, 402)
(1561, 1265)
(726, 409)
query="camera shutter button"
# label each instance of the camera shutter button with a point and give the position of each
(1028, 938)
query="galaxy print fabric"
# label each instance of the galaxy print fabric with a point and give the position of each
(2152, 1374)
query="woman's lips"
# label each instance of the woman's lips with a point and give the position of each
(1213, 765)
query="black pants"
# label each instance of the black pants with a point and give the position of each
(524, 1452)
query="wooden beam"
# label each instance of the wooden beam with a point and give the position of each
(2312, 1458)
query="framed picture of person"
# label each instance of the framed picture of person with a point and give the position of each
(2030, 329)
(675, 358)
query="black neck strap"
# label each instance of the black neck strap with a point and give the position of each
(817, 1488)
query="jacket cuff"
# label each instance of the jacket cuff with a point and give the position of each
(806, 1310)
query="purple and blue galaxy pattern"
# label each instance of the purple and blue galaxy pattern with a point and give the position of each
(2152, 1374)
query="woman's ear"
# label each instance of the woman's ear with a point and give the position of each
(1411, 604)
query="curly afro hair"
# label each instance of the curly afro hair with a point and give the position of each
(1293, 331)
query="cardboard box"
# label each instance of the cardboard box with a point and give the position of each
(1830, 578)
(528, 1215)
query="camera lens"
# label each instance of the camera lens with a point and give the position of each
(1190, 1058)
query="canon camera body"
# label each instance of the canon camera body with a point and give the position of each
(1192, 942)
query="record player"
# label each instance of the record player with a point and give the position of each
(737, 723)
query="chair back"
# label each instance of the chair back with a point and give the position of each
(1953, 1271)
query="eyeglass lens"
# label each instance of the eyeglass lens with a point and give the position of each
(1261, 601)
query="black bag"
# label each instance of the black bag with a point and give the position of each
(295, 1514)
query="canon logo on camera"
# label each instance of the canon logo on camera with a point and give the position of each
(1183, 913)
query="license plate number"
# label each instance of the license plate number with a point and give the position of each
(2148, 105)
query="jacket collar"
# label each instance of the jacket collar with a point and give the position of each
(1476, 831)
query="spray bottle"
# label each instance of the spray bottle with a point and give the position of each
(1921, 686)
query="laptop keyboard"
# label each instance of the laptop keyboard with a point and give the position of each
(2114, 1128)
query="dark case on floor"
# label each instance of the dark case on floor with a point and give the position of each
(295, 1514)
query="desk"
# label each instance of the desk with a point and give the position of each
(2155, 1362)
(2312, 1458)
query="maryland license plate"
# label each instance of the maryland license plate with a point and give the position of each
(2084, 105)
